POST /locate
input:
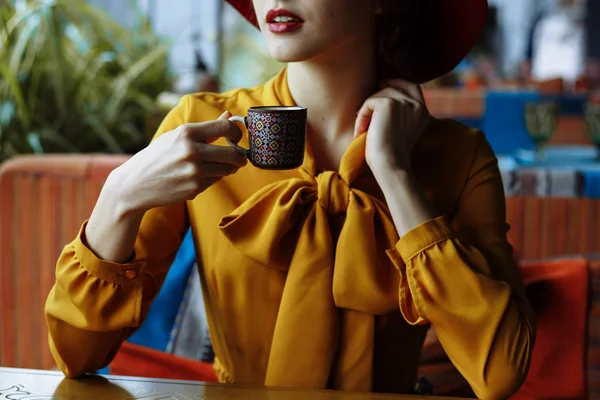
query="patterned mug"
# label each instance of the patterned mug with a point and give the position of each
(277, 136)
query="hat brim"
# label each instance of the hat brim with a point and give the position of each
(445, 37)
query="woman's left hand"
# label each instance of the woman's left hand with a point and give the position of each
(395, 117)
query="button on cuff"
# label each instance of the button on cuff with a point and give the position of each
(106, 270)
(130, 274)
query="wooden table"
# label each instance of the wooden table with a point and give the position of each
(17, 384)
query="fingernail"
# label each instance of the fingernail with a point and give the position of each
(225, 115)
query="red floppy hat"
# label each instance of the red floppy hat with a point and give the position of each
(445, 37)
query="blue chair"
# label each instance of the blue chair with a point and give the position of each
(470, 122)
(503, 121)
(155, 332)
(591, 178)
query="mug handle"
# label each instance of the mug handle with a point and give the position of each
(230, 142)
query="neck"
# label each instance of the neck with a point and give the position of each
(334, 87)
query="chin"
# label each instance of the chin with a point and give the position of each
(289, 55)
(288, 52)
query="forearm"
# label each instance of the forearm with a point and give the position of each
(407, 203)
(92, 307)
(483, 323)
(483, 326)
(114, 224)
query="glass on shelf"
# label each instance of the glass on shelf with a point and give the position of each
(540, 122)
(592, 124)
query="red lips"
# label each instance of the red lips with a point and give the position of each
(283, 21)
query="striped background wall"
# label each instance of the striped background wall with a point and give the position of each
(43, 201)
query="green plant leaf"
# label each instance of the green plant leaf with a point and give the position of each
(15, 89)
(57, 51)
(104, 134)
(52, 136)
(78, 80)
(122, 83)
(20, 47)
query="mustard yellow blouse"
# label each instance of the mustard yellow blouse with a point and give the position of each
(306, 282)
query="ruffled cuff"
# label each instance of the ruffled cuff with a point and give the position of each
(423, 237)
(131, 273)
(410, 245)
(94, 294)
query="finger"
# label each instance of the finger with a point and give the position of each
(401, 97)
(396, 94)
(418, 105)
(221, 154)
(363, 118)
(205, 132)
(412, 90)
(367, 113)
(216, 170)
(225, 115)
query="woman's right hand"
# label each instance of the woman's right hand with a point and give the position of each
(178, 165)
(175, 167)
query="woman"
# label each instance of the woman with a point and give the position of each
(315, 278)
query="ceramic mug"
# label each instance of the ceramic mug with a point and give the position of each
(277, 136)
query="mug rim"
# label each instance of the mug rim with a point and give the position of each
(278, 109)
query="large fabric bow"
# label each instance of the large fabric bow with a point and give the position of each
(325, 327)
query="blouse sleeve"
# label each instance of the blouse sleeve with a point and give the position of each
(460, 276)
(94, 304)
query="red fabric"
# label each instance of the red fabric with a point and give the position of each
(134, 360)
(450, 28)
(558, 292)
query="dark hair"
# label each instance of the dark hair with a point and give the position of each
(396, 34)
